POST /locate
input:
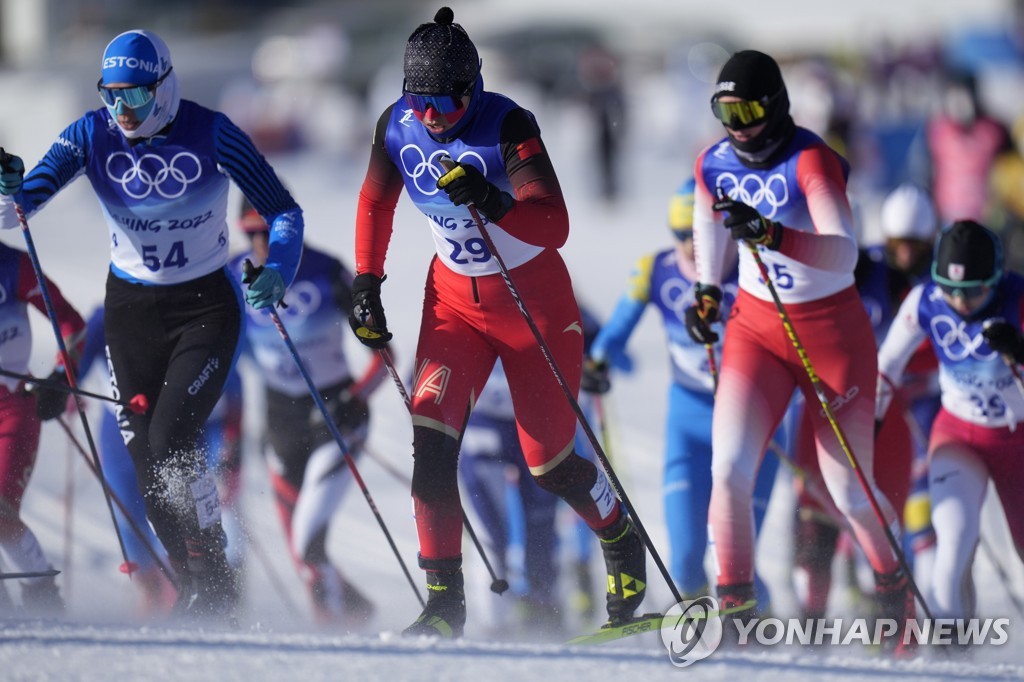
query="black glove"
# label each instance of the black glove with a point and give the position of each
(464, 184)
(367, 317)
(12, 173)
(1004, 339)
(51, 402)
(744, 222)
(349, 410)
(595, 377)
(701, 315)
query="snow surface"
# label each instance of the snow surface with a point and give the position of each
(102, 637)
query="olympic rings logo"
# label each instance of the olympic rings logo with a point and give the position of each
(952, 337)
(677, 296)
(753, 190)
(303, 298)
(430, 167)
(141, 177)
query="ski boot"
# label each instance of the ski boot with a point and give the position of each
(335, 600)
(41, 597)
(896, 602)
(625, 559)
(445, 613)
(730, 597)
(210, 586)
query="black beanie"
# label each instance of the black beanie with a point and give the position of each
(967, 253)
(440, 59)
(750, 75)
(755, 76)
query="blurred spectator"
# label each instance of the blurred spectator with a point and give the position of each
(1007, 186)
(599, 74)
(961, 143)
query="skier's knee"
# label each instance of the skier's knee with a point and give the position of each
(435, 466)
(569, 477)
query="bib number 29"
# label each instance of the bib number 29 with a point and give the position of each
(473, 249)
(174, 258)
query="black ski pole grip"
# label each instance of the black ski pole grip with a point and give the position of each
(249, 272)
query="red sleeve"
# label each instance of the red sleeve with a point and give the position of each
(378, 197)
(539, 215)
(71, 324)
(832, 245)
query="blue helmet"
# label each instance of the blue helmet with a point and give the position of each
(140, 64)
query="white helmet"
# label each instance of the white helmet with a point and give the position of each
(908, 213)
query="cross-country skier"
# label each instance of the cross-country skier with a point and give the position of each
(781, 189)
(470, 317)
(222, 443)
(160, 166)
(971, 311)
(666, 280)
(307, 469)
(21, 413)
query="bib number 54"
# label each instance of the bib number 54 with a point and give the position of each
(174, 258)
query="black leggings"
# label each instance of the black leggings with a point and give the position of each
(175, 344)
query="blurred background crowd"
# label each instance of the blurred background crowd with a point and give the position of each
(878, 81)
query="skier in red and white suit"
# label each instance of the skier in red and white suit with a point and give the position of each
(469, 316)
(781, 188)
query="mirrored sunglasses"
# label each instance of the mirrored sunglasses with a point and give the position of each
(442, 104)
(741, 114)
(133, 97)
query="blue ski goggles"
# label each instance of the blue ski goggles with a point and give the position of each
(134, 96)
(442, 104)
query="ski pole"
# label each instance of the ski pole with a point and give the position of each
(602, 422)
(30, 574)
(249, 274)
(138, 404)
(129, 566)
(712, 366)
(69, 513)
(498, 585)
(545, 350)
(819, 391)
(69, 367)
